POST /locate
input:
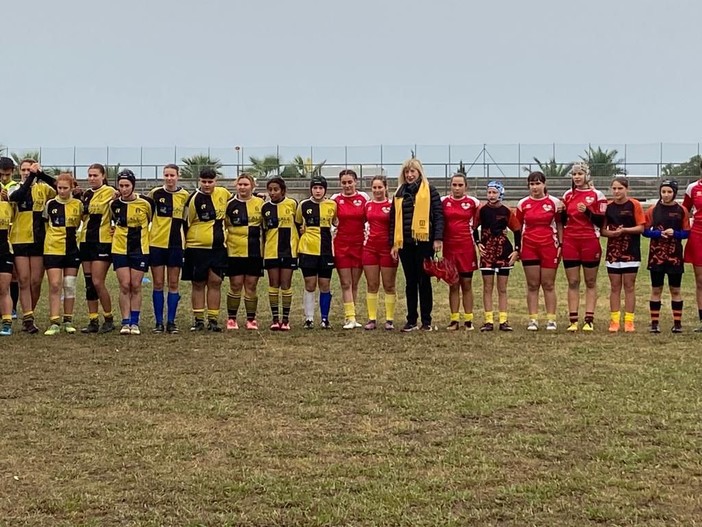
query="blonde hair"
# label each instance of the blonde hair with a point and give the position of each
(249, 176)
(581, 165)
(407, 165)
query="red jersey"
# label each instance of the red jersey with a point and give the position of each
(459, 219)
(538, 218)
(693, 202)
(378, 218)
(351, 216)
(579, 225)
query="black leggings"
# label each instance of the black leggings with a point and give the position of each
(417, 282)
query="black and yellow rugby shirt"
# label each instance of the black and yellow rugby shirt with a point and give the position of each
(28, 223)
(97, 215)
(316, 220)
(62, 221)
(167, 225)
(281, 234)
(7, 211)
(204, 219)
(243, 222)
(131, 220)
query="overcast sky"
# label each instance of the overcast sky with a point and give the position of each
(303, 72)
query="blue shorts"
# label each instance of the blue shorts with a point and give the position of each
(159, 256)
(138, 263)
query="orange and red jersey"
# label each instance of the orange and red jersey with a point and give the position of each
(459, 219)
(693, 203)
(539, 219)
(378, 218)
(579, 224)
(627, 247)
(351, 218)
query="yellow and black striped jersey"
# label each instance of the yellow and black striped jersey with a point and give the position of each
(243, 222)
(204, 219)
(281, 234)
(131, 220)
(316, 220)
(7, 211)
(28, 223)
(167, 225)
(62, 221)
(97, 215)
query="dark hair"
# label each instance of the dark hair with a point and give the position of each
(208, 173)
(622, 180)
(173, 166)
(461, 175)
(6, 163)
(98, 166)
(536, 176)
(28, 160)
(348, 172)
(380, 178)
(280, 182)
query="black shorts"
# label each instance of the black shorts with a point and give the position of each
(312, 265)
(158, 256)
(243, 266)
(199, 262)
(138, 263)
(92, 252)
(28, 249)
(7, 264)
(280, 263)
(61, 261)
(658, 279)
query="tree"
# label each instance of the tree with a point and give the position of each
(603, 163)
(688, 171)
(302, 168)
(29, 154)
(551, 169)
(193, 165)
(264, 167)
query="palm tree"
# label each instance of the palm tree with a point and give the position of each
(193, 165)
(29, 154)
(688, 171)
(264, 167)
(551, 169)
(301, 168)
(603, 163)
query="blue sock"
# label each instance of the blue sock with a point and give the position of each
(157, 297)
(135, 318)
(173, 299)
(125, 322)
(325, 303)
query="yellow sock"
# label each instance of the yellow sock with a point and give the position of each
(628, 317)
(349, 311)
(454, 317)
(615, 316)
(93, 316)
(372, 304)
(503, 317)
(489, 317)
(467, 317)
(390, 306)
(551, 317)
(198, 314)
(7, 318)
(212, 314)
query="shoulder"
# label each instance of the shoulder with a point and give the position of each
(568, 194)
(556, 202)
(522, 202)
(335, 196)
(600, 195)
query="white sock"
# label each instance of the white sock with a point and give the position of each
(309, 301)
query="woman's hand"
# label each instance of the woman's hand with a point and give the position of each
(438, 246)
(481, 249)
(394, 253)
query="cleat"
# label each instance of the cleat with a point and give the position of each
(54, 329)
(654, 328)
(14, 314)
(275, 326)
(613, 326)
(504, 326)
(573, 327)
(676, 329)
(171, 328)
(126, 330)
(629, 327)
(325, 324)
(134, 330)
(349, 323)
(232, 324)
(198, 325)
(453, 326)
(92, 327)
(69, 328)
(252, 324)
(107, 327)
(30, 327)
(213, 326)
(426, 327)
(158, 328)
(389, 326)
(6, 330)
(488, 326)
(551, 325)
(533, 325)
(370, 325)
(285, 325)
(309, 324)
(588, 326)
(698, 329)
(468, 325)
(409, 327)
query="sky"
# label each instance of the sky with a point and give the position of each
(159, 73)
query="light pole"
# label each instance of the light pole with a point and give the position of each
(238, 159)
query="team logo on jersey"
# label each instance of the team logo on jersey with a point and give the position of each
(448, 203)
(118, 210)
(386, 210)
(54, 211)
(308, 211)
(589, 200)
(357, 202)
(341, 202)
(548, 207)
(698, 193)
(527, 206)
(465, 206)
(268, 213)
(162, 200)
(203, 206)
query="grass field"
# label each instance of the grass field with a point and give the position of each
(356, 428)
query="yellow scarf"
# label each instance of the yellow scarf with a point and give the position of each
(420, 216)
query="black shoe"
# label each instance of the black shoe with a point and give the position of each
(409, 327)
(426, 327)
(92, 327)
(655, 328)
(309, 324)
(107, 326)
(453, 326)
(488, 326)
(159, 328)
(171, 328)
(676, 329)
(325, 324)
(213, 326)
(504, 326)
(468, 325)
(29, 326)
(198, 325)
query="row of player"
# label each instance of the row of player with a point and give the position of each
(208, 234)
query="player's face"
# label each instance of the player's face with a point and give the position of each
(667, 195)
(126, 188)
(275, 192)
(379, 190)
(411, 175)
(207, 186)
(493, 195)
(24, 170)
(579, 179)
(318, 192)
(619, 192)
(458, 187)
(244, 188)
(537, 189)
(348, 185)
(6, 175)
(95, 178)
(63, 188)
(170, 178)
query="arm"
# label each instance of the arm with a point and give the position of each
(596, 219)
(437, 218)
(24, 189)
(46, 178)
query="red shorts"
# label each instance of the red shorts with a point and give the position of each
(463, 256)
(378, 256)
(693, 249)
(587, 250)
(348, 256)
(546, 255)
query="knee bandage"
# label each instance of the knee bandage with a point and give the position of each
(69, 286)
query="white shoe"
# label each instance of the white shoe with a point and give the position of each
(134, 330)
(551, 325)
(350, 324)
(533, 325)
(126, 330)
